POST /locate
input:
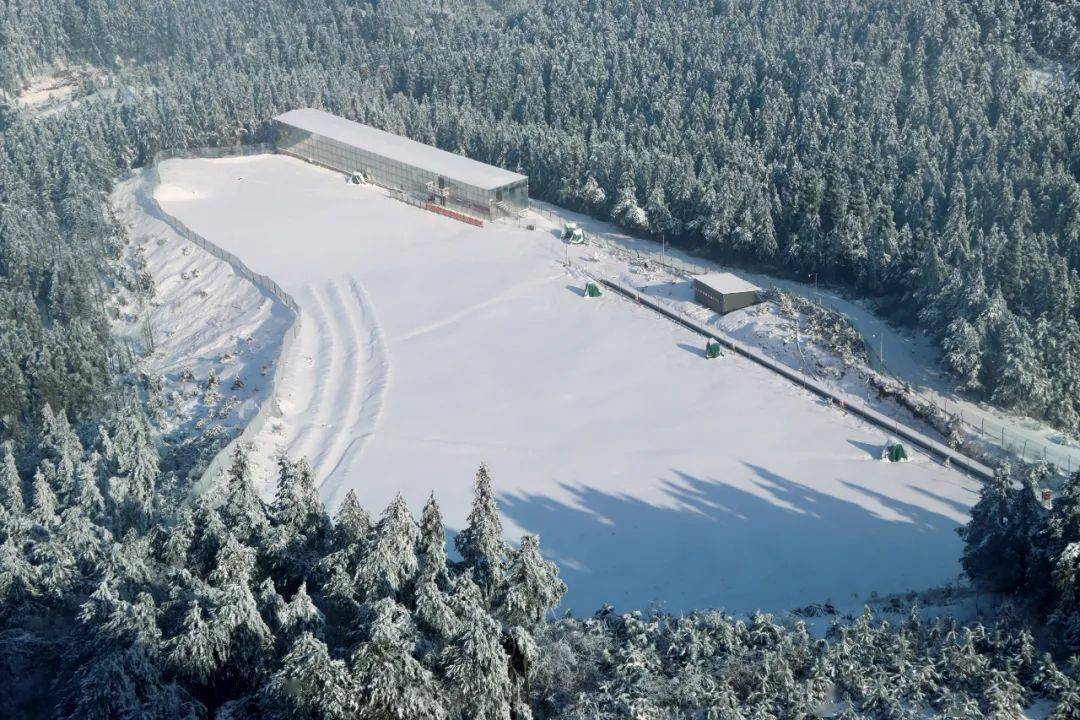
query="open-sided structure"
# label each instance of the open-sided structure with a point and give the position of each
(724, 292)
(425, 173)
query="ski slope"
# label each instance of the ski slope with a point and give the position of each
(652, 475)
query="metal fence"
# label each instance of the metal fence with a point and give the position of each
(838, 398)
(989, 432)
(267, 409)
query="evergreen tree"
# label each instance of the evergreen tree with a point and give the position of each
(532, 585)
(300, 527)
(242, 511)
(197, 651)
(310, 685)
(351, 523)
(476, 670)
(392, 683)
(11, 494)
(388, 564)
(993, 551)
(431, 546)
(481, 543)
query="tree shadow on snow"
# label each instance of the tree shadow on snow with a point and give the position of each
(579, 291)
(771, 544)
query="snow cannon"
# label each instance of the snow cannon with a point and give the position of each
(592, 290)
(712, 349)
(573, 233)
(894, 452)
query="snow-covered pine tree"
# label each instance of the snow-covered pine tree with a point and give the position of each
(431, 546)
(626, 211)
(11, 491)
(300, 527)
(592, 195)
(19, 578)
(300, 616)
(1003, 696)
(60, 445)
(44, 504)
(132, 456)
(532, 585)
(481, 542)
(236, 620)
(197, 651)
(351, 523)
(387, 565)
(310, 685)
(242, 510)
(392, 683)
(991, 551)
(86, 493)
(477, 671)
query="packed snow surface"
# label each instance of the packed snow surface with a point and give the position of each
(427, 346)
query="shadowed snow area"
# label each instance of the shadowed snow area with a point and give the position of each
(427, 346)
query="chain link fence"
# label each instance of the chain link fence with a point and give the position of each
(269, 408)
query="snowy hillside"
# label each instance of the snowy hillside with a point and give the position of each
(427, 346)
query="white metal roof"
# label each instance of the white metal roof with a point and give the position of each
(449, 165)
(723, 282)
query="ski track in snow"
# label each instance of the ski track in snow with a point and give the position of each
(650, 474)
(342, 362)
(375, 374)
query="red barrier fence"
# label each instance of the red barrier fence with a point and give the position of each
(454, 214)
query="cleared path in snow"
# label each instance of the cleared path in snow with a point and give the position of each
(650, 474)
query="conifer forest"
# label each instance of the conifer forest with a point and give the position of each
(921, 155)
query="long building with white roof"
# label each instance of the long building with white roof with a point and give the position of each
(426, 173)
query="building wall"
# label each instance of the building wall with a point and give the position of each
(395, 175)
(723, 302)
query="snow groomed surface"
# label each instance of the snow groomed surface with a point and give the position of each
(428, 346)
(844, 402)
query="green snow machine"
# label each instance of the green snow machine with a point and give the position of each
(895, 452)
(573, 233)
(712, 348)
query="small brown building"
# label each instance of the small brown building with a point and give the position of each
(724, 292)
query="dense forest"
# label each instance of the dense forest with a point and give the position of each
(924, 153)
(116, 607)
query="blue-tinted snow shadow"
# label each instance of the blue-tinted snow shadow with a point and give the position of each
(774, 546)
(579, 291)
(871, 449)
(694, 349)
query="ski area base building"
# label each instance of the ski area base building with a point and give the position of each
(428, 175)
(724, 292)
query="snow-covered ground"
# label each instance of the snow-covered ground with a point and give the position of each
(909, 357)
(203, 319)
(427, 346)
